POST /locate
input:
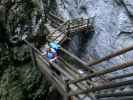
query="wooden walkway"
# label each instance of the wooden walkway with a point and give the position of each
(60, 30)
(90, 84)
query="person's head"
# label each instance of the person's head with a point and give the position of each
(49, 49)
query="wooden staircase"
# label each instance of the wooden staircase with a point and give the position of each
(90, 84)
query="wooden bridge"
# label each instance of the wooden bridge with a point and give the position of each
(90, 84)
(59, 30)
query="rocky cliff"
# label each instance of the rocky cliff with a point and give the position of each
(19, 79)
(113, 22)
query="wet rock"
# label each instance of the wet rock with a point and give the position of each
(113, 26)
(129, 6)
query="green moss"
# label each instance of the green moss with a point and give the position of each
(19, 79)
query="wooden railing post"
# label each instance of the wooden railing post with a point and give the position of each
(82, 21)
(88, 23)
(68, 28)
(66, 97)
(32, 53)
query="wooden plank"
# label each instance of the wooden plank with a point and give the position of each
(61, 26)
(81, 86)
(73, 74)
(46, 71)
(77, 59)
(71, 67)
(59, 68)
(73, 56)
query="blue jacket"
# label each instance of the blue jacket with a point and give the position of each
(55, 45)
(51, 54)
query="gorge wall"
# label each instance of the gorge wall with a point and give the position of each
(19, 79)
(113, 23)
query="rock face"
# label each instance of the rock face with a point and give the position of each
(19, 79)
(113, 22)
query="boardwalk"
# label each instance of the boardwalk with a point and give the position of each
(88, 85)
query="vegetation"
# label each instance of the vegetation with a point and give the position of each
(19, 79)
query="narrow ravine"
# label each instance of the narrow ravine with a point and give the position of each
(113, 27)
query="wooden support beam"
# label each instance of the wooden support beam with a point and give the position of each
(58, 36)
(84, 64)
(117, 53)
(121, 76)
(69, 71)
(44, 68)
(102, 87)
(71, 67)
(60, 85)
(120, 98)
(60, 27)
(109, 70)
(55, 17)
(81, 86)
(117, 94)
(33, 57)
(36, 51)
(73, 56)
(59, 68)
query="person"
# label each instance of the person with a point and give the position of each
(53, 51)
(52, 55)
(55, 45)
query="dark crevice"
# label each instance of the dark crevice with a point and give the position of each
(84, 38)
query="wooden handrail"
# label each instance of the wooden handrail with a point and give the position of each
(102, 87)
(121, 76)
(117, 94)
(58, 28)
(109, 70)
(67, 23)
(114, 54)
(56, 17)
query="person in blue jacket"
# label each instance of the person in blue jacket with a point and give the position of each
(55, 45)
(52, 52)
